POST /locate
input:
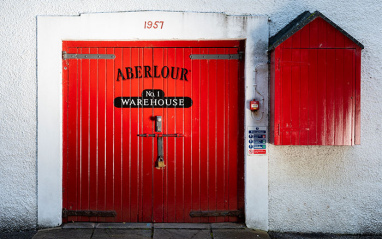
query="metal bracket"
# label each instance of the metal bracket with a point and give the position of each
(238, 56)
(87, 56)
(234, 213)
(158, 135)
(87, 213)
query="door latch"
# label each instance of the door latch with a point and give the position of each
(159, 135)
(158, 128)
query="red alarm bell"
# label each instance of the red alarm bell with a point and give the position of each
(254, 105)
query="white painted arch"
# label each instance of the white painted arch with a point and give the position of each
(52, 30)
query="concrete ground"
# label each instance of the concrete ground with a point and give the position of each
(151, 230)
(167, 231)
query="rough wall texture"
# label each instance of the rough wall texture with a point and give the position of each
(311, 189)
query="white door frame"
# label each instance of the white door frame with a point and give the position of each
(52, 30)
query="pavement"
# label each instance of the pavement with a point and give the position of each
(151, 230)
(166, 231)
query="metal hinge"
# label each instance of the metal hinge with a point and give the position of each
(88, 213)
(87, 56)
(233, 213)
(238, 56)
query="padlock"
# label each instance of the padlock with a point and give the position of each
(160, 163)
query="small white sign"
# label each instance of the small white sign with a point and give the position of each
(257, 140)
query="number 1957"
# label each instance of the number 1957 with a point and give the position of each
(155, 25)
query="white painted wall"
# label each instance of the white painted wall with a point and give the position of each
(311, 189)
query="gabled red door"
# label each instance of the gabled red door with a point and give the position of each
(114, 95)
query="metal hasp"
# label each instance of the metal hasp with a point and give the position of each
(87, 56)
(159, 135)
(238, 56)
(158, 128)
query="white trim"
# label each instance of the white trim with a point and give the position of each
(52, 30)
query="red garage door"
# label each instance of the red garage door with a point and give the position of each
(153, 131)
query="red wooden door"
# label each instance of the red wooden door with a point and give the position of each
(108, 103)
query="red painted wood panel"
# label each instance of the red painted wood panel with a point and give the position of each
(318, 34)
(316, 88)
(316, 97)
(108, 167)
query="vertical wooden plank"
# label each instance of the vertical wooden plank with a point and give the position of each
(304, 106)
(93, 134)
(322, 24)
(227, 85)
(312, 102)
(134, 148)
(340, 39)
(233, 134)
(313, 33)
(296, 40)
(171, 149)
(286, 97)
(220, 146)
(357, 102)
(148, 147)
(212, 137)
(159, 59)
(126, 140)
(204, 130)
(84, 134)
(305, 36)
(187, 145)
(349, 78)
(165, 125)
(330, 36)
(73, 136)
(286, 44)
(349, 43)
(101, 128)
(179, 142)
(339, 98)
(321, 97)
(117, 138)
(196, 134)
(295, 96)
(109, 134)
(330, 95)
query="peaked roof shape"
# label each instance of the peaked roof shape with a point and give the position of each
(298, 23)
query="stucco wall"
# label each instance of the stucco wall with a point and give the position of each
(321, 189)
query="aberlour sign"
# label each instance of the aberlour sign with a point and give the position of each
(145, 72)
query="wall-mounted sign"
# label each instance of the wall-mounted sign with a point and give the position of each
(257, 140)
(153, 99)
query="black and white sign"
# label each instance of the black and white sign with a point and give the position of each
(153, 99)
